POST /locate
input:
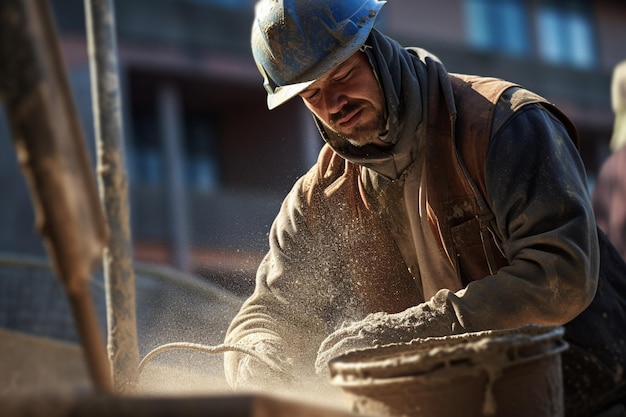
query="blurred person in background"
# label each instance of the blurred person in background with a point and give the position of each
(609, 194)
(440, 204)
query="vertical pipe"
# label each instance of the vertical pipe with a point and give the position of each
(170, 115)
(122, 344)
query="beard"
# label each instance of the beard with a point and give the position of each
(365, 131)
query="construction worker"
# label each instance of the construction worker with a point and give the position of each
(440, 204)
(609, 194)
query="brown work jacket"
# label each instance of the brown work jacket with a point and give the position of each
(349, 241)
(458, 212)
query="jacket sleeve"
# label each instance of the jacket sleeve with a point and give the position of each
(537, 190)
(284, 318)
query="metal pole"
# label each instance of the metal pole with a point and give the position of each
(118, 266)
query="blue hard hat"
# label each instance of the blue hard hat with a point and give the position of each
(294, 42)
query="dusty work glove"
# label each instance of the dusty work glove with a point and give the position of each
(266, 369)
(428, 319)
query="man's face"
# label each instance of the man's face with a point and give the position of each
(349, 101)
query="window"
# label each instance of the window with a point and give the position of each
(147, 162)
(201, 153)
(500, 25)
(175, 136)
(565, 33)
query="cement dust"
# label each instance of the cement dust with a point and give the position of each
(200, 379)
(176, 307)
(162, 379)
(186, 369)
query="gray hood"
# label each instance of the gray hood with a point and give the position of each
(408, 76)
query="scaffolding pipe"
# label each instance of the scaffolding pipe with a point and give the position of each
(119, 276)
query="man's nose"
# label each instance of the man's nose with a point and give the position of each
(335, 100)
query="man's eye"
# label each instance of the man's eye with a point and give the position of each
(344, 77)
(311, 94)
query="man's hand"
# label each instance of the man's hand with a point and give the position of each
(428, 319)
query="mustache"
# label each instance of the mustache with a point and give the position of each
(345, 110)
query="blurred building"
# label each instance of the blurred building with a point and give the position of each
(209, 165)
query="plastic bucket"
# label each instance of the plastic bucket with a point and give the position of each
(514, 372)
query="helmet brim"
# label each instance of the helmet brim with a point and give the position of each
(285, 93)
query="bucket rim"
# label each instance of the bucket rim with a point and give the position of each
(421, 356)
